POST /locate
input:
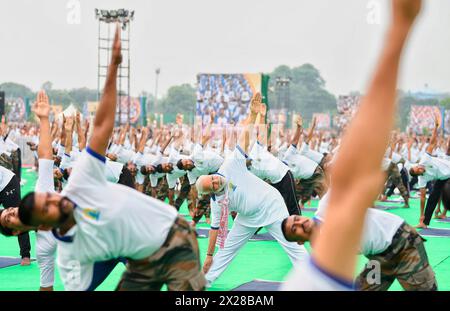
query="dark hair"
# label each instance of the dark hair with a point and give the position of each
(159, 168)
(65, 174)
(26, 207)
(4, 230)
(283, 224)
(144, 170)
(180, 165)
(412, 172)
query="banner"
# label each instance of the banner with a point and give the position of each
(226, 95)
(130, 110)
(323, 120)
(346, 107)
(15, 110)
(422, 117)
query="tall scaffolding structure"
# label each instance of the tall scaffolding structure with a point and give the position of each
(107, 20)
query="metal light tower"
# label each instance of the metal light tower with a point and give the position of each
(106, 28)
(157, 72)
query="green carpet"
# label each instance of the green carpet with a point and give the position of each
(256, 260)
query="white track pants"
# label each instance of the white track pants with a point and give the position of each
(239, 235)
(45, 256)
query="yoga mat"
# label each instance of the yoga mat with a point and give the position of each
(446, 220)
(309, 209)
(204, 233)
(10, 261)
(435, 232)
(385, 208)
(258, 285)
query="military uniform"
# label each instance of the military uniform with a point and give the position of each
(175, 264)
(405, 260)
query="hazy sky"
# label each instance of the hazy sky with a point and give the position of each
(185, 37)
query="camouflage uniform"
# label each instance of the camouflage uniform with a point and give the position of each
(175, 264)
(395, 178)
(202, 208)
(6, 162)
(16, 163)
(162, 189)
(184, 193)
(305, 188)
(405, 260)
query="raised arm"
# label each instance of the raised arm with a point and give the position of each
(255, 109)
(80, 132)
(358, 163)
(433, 140)
(143, 140)
(41, 109)
(105, 116)
(311, 131)
(298, 130)
(70, 123)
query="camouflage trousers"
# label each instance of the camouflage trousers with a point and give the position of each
(305, 188)
(176, 264)
(202, 207)
(17, 163)
(395, 178)
(6, 161)
(183, 194)
(162, 189)
(405, 260)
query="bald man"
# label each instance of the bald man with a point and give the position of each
(234, 188)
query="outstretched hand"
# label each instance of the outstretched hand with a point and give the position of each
(405, 11)
(41, 107)
(116, 57)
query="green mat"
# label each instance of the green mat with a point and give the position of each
(257, 259)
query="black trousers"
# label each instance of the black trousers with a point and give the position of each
(10, 197)
(126, 178)
(433, 200)
(286, 187)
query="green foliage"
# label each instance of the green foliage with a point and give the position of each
(179, 99)
(12, 89)
(307, 93)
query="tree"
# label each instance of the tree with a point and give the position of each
(15, 90)
(307, 93)
(445, 103)
(47, 86)
(180, 98)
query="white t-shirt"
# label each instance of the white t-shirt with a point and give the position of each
(113, 170)
(112, 220)
(265, 165)
(206, 160)
(435, 169)
(379, 228)
(301, 166)
(310, 154)
(310, 277)
(5, 177)
(257, 203)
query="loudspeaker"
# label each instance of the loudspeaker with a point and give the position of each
(2, 103)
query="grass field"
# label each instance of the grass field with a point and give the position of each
(257, 259)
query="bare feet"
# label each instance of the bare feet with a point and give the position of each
(25, 261)
(441, 216)
(421, 224)
(383, 198)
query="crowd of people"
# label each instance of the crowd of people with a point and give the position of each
(100, 198)
(226, 97)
